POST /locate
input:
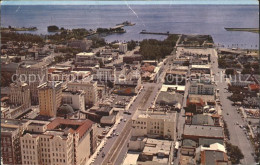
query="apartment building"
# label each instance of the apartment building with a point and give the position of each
(20, 94)
(49, 98)
(90, 89)
(62, 141)
(202, 87)
(105, 74)
(34, 75)
(155, 125)
(123, 47)
(42, 146)
(11, 130)
(76, 99)
(84, 58)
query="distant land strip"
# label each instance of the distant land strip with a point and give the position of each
(253, 30)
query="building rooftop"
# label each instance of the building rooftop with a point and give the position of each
(200, 66)
(200, 119)
(50, 84)
(85, 54)
(177, 87)
(77, 126)
(203, 131)
(213, 157)
(169, 98)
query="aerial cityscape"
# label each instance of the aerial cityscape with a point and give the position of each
(130, 83)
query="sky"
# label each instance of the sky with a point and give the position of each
(122, 2)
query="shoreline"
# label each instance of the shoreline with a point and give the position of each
(252, 30)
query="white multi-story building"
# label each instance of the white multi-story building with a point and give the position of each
(89, 87)
(86, 59)
(46, 143)
(105, 74)
(76, 99)
(122, 47)
(155, 125)
(46, 147)
(202, 88)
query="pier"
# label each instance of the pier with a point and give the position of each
(157, 33)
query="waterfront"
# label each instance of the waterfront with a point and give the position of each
(199, 19)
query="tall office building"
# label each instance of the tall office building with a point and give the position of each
(20, 94)
(49, 98)
(11, 130)
(34, 75)
(90, 89)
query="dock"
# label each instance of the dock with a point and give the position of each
(157, 33)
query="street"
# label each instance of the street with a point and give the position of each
(230, 115)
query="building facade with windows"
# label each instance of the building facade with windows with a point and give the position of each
(155, 125)
(90, 89)
(49, 98)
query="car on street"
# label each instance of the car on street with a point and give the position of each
(103, 154)
(124, 120)
(117, 133)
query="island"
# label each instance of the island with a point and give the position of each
(253, 30)
(10, 28)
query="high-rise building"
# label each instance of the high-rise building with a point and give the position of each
(62, 141)
(20, 94)
(49, 98)
(11, 130)
(122, 47)
(89, 87)
(33, 75)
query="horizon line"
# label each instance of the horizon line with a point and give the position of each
(133, 2)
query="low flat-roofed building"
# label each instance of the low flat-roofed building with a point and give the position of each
(213, 157)
(171, 88)
(153, 151)
(203, 69)
(174, 100)
(195, 132)
(175, 77)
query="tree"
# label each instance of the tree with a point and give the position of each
(234, 153)
(131, 45)
(6, 78)
(53, 28)
(230, 71)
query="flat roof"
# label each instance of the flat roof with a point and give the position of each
(203, 131)
(85, 54)
(200, 66)
(177, 87)
(131, 158)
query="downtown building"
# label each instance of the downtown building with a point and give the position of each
(89, 88)
(61, 141)
(155, 125)
(34, 75)
(50, 94)
(11, 130)
(202, 87)
(19, 101)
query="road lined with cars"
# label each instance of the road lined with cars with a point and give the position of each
(235, 123)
